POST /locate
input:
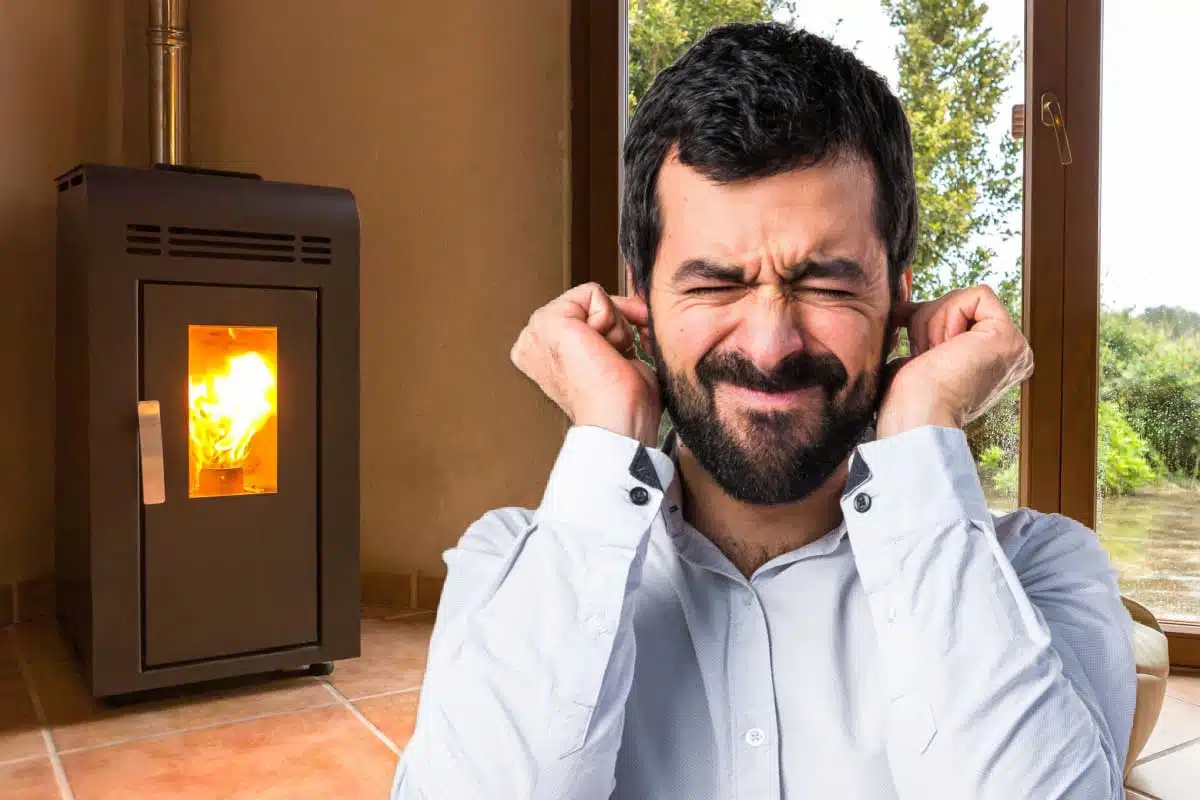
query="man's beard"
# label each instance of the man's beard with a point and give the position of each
(773, 457)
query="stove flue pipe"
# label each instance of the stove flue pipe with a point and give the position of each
(167, 38)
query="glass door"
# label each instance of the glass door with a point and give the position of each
(959, 69)
(1148, 417)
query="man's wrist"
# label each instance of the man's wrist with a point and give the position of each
(637, 426)
(893, 422)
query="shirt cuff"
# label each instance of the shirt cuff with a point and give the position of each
(918, 483)
(610, 484)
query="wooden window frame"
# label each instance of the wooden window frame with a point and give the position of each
(1082, 45)
(1060, 242)
(597, 78)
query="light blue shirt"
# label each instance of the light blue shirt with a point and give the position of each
(600, 647)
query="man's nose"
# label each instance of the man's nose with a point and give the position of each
(769, 332)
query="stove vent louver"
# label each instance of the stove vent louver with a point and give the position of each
(188, 242)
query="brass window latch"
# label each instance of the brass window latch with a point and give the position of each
(1052, 117)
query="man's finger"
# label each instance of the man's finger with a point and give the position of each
(583, 302)
(903, 312)
(620, 336)
(958, 320)
(634, 309)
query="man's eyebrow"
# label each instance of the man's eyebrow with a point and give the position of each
(844, 269)
(703, 269)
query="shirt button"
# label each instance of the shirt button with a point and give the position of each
(755, 737)
(862, 502)
(639, 495)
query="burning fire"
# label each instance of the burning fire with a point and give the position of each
(228, 408)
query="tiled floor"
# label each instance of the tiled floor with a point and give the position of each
(1169, 766)
(305, 737)
(302, 737)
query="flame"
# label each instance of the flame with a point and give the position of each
(228, 408)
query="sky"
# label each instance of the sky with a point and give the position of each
(1150, 171)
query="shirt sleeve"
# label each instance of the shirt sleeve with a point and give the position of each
(532, 654)
(1010, 669)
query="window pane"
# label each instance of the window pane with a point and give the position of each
(1148, 492)
(232, 410)
(958, 69)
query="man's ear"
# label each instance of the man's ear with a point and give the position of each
(644, 334)
(904, 289)
(903, 295)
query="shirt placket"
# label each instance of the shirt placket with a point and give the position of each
(754, 727)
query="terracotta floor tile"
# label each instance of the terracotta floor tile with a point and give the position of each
(1171, 777)
(1179, 722)
(393, 657)
(77, 721)
(1185, 687)
(28, 780)
(394, 714)
(320, 753)
(20, 733)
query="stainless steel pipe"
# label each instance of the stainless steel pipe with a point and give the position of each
(167, 38)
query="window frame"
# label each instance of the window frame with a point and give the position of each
(598, 30)
(1083, 46)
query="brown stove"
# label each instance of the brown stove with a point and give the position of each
(207, 368)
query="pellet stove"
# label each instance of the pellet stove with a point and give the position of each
(207, 515)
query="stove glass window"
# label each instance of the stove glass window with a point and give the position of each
(233, 413)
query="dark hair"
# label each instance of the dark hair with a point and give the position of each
(760, 99)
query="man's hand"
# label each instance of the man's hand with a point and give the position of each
(966, 354)
(579, 349)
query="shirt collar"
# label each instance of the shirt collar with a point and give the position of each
(695, 547)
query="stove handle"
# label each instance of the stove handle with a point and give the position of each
(154, 487)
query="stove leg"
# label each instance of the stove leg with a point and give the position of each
(321, 668)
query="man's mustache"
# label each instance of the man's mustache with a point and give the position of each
(800, 370)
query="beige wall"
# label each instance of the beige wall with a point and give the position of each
(54, 79)
(449, 123)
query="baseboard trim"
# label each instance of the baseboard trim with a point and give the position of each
(25, 601)
(402, 591)
(8, 603)
(28, 600)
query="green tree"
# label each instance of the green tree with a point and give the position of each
(1150, 373)
(661, 30)
(1165, 410)
(1121, 460)
(953, 75)
(1174, 321)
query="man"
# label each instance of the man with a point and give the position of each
(802, 594)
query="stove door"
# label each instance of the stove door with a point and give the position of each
(230, 555)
